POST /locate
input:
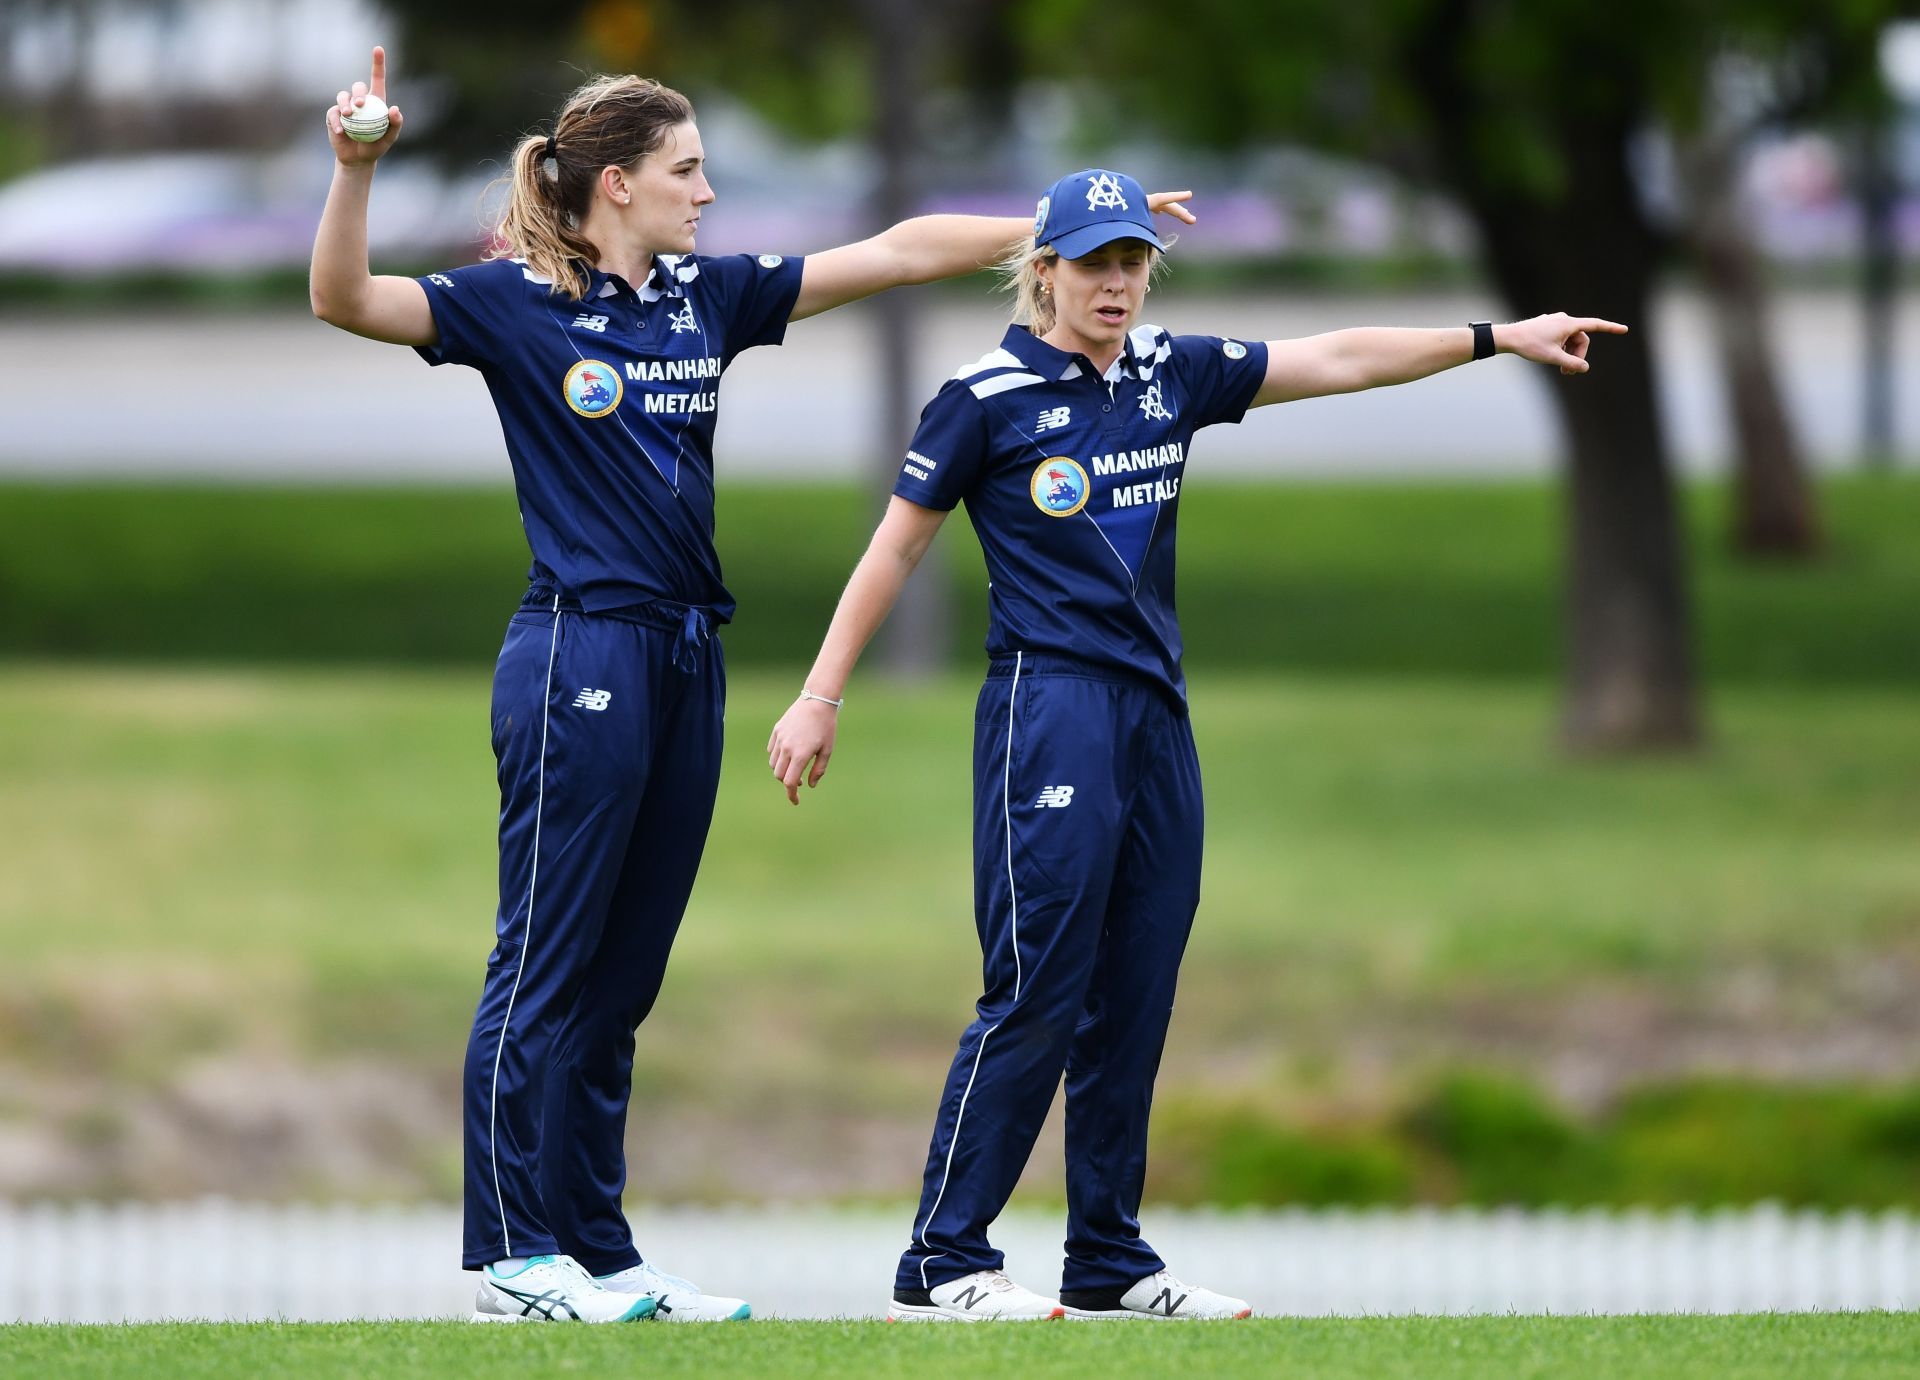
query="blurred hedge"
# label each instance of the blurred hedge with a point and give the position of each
(1479, 1139)
(1433, 579)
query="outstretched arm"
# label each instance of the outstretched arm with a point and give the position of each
(924, 250)
(1374, 356)
(805, 732)
(343, 290)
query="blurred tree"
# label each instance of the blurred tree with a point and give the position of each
(1535, 117)
(1779, 67)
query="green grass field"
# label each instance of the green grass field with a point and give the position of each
(1869, 1346)
(300, 864)
(244, 777)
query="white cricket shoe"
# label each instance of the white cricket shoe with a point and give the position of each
(553, 1288)
(679, 1300)
(1159, 1295)
(983, 1296)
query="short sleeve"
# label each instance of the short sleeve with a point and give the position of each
(948, 452)
(473, 310)
(756, 293)
(1219, 376)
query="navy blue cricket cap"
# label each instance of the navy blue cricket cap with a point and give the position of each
(1087, 209)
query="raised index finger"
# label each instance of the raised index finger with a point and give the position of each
(379, 83)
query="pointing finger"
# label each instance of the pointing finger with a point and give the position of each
(1594, 323)
(380, 73)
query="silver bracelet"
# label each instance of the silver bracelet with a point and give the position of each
(806, 694)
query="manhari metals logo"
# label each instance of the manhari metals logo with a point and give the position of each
(593, 389)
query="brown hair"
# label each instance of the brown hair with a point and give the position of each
(611, 121)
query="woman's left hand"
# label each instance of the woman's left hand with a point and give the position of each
(1555, 338)
(1170, 203)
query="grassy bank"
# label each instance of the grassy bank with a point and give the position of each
(1432, 580)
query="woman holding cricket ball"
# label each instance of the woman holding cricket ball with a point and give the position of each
(1068, 444)
(602, 337)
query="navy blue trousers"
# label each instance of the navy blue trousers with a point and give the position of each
(1087, 833)
(606, 729)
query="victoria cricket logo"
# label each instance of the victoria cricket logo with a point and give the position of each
(1152, 407)
(593, 389)
(1054, 798)
(682, 320)
(1103, 194)
(596, 700)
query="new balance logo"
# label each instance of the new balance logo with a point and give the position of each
(587, 322)
(1165, 1304)
(1053, 417)
(1152, 406)
(596, 700)
(1054, 798)
(682, 320)
(969, 1296)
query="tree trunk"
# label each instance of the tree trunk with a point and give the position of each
(1585, 246)
(1774, 514)
(916, 637)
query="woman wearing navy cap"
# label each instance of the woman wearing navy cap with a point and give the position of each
(1068, 444)
(602, 337)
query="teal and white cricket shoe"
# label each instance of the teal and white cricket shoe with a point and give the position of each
(1159, 1295)
(678, 1300)
(554, 1288)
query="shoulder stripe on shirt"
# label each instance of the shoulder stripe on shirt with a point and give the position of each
(1000, 383)
(993, 359)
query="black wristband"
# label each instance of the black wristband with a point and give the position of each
(1482, 339)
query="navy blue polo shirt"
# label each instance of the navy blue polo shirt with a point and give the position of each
(608, 407)
(1072, 481)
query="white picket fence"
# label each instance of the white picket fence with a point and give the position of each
(223, 1260)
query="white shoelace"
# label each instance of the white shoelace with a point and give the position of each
(667, 1283)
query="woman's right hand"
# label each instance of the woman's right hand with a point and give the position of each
(351, 152)
(804, 734)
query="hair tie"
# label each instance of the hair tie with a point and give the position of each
(551, 154)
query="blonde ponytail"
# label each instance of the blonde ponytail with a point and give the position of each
(611, 121)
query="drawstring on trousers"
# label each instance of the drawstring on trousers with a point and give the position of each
(694, 631)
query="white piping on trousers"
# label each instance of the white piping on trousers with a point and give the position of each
(952, 1145)
(1006, 810)
(526, 940)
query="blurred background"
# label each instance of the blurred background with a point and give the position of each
(1561, 736)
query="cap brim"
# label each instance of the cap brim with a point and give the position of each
(1091, 237)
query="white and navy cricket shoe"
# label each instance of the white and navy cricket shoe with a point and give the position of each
(553, 1288)
(678, 1300)
(983, 1296)
(1159, 1295)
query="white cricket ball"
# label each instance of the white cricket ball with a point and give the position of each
(367, 123)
